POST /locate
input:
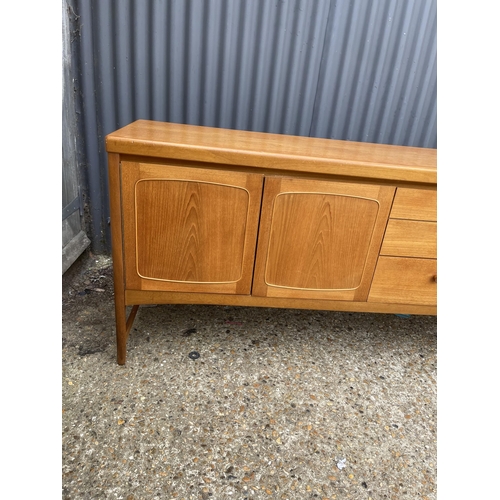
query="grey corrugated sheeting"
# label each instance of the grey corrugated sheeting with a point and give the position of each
(353, 70)
(378, 81)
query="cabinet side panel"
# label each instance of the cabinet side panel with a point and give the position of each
(116, 226)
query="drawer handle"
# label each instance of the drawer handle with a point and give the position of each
(435, 278)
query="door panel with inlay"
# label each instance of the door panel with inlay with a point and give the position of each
(319, 239)
(189, 229)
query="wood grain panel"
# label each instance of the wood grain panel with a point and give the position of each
(415, 204)
(189, 229)
(319, 250)
(185, 231)
(319, 239)
(409, 238)
(276, 151)
(400, 280)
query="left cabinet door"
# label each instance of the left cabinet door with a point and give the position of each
(189, 229)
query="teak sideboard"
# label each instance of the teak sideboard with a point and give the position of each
(205, 215)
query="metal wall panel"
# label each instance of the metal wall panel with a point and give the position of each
(345, 69)
(378, 81)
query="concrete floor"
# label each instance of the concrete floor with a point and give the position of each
(285, 404)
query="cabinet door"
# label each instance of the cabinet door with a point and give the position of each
(319, 239)
(189, 229)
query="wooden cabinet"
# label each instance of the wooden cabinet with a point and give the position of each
(213, 216)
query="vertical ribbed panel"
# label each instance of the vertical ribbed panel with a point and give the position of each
(378, 77)
(345, 69)
(221, 63)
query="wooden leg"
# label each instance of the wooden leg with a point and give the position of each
(121, 330)
(121, 334)
(123, 326)
(131, 317)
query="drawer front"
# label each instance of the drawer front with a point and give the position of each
(415, 204)
(401, 280)
(409, 238)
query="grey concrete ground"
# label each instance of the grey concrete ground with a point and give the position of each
(285, 404)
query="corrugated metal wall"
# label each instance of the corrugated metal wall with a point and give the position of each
(345, 69)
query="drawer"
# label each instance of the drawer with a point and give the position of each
(401, 280)
(410, 238)
(415, 204)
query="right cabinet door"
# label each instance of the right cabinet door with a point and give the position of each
(319, 239)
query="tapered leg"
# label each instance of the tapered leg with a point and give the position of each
(123, 326)
(117, 252)
(121, 333)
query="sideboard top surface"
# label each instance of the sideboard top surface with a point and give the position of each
(275, 151)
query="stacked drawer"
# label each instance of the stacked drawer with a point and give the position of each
(406, 271)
